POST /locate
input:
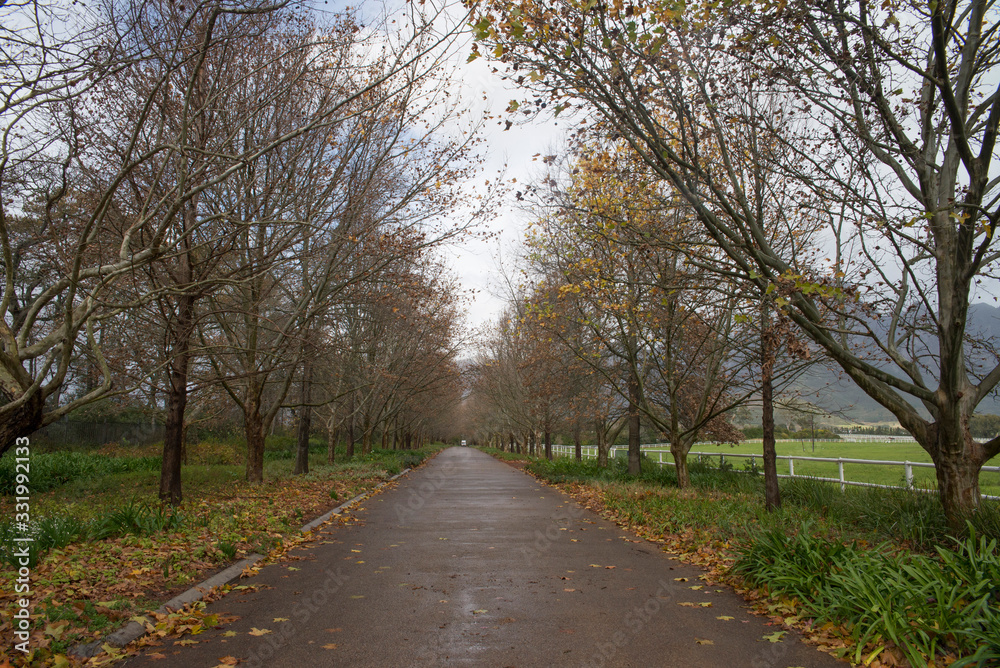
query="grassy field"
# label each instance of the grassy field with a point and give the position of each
(873, 473)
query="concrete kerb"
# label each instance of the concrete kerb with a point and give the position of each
(134, 630)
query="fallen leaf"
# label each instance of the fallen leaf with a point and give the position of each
(680, 579)
(696, 587)
(567, 589)
(230, 634)
(281, 619)
(330, 645)
(725, 618)
(701, 641)
(774, 637)
(254, 631)
(227, 661)
(479, 612)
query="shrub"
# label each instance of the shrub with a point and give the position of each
(926, 605)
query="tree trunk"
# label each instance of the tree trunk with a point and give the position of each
(634, 454)
(350, 429)
(253, 427)
(772, 493)
(173, 438)
(577, 441)
(331, 441)
(548, 445)
(679, 451)
(366, 437)
(602, 445)
(958, 459)
(305, 422)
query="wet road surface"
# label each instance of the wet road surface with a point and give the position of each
(469, 562)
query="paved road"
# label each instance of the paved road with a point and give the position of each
(469, 562)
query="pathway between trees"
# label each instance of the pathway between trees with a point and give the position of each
(469, 562)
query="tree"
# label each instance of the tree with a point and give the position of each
(613, 253)
(903, 115)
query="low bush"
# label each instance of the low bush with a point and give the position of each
(928, 606)
(57, 531)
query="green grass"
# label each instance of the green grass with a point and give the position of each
(872, 473)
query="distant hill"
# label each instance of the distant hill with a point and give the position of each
(830, 388)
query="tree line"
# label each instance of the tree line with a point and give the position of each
(833, 162)
(229, 209)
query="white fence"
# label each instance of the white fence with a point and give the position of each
(650, 451)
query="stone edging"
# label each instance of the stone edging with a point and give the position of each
(134, 630)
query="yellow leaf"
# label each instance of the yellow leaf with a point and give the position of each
(330, 645)
(281, 619)
(254, 631)
(701, 641)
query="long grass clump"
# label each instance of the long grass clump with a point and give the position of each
(48, 470)
(928, 606)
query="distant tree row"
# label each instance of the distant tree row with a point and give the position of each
(207, 206)
(836, 161)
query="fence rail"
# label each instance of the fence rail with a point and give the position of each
(908, 466)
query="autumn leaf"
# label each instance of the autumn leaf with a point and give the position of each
(725, 618)
(254, 631)
(701, 641)
(774, 637)
(680, 579)
(230, 634)
(330, 645)
(280, 619)
(227, 661)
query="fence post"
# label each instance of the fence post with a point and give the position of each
(660, 457)
(840, 468)
(909, 474)
(791, 468)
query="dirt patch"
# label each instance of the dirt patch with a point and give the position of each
(516, 463)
